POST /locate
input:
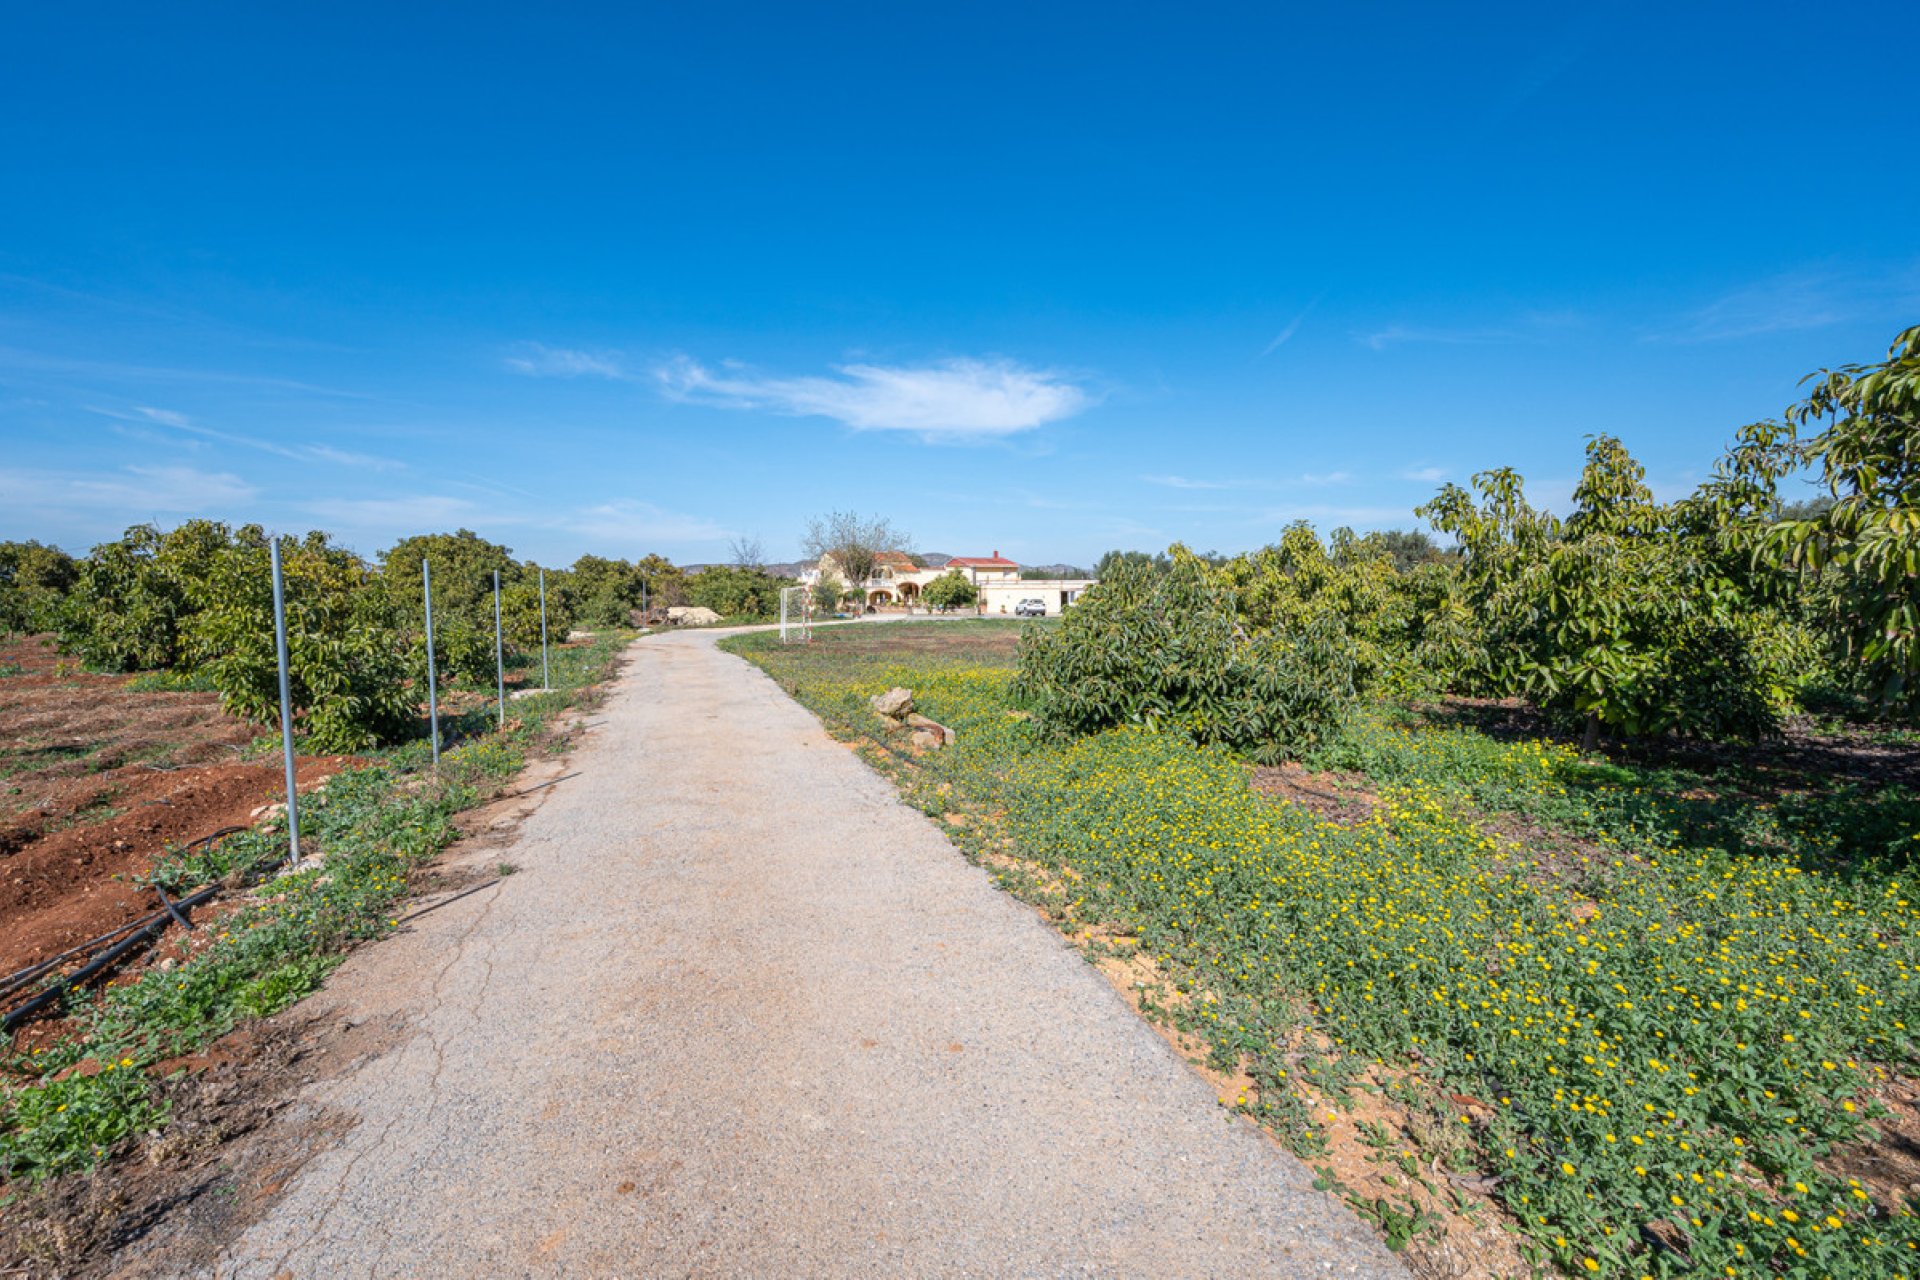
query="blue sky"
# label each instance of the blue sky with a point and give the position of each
(1046, 279)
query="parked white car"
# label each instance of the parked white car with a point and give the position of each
(1030, 608)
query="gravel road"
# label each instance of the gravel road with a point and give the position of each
(742, 1013)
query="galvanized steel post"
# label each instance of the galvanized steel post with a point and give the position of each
(546, 674)
(433, 692)
(499, 651)
(286, 703)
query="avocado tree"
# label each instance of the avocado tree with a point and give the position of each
(34, 579)
(463, 567)
(1865, 544)
(1626, 617)
(347, 669)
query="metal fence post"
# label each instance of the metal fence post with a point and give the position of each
(499, 651)
(286, 703)
(546, 673)
(433, 693)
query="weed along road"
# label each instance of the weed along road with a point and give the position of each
(740, 1012)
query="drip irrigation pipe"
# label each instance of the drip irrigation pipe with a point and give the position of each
(21, 977)
(172, 910)
(99, 962)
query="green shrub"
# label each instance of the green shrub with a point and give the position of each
(951, 590)
(1165, 648)
(735, 592)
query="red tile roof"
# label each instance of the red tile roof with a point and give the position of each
(994, 561)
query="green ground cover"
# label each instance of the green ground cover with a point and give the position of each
(70, 1106)
(1664, 1042)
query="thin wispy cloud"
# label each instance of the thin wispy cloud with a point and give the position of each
(1402, 335)
(953, 400)
(537, 360)
(1185, 482)
(1549, 64)
(1293, 326)
(1329, 516)
(1795, 301)
(180, 422)
(412, 513)
(1309, 480)
(132, 491)
(63, 368)
(627, 525)
(1426, 475)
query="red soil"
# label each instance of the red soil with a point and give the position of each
(96, 782)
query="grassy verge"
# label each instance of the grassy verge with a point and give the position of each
(71, 1106)
(1651, 1066)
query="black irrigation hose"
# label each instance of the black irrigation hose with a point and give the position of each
(176, 910)
(21, 977)
(153, 930)
(172, 910)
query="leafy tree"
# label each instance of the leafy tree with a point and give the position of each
(1111, 562)
(34, 579)
(601, 592)
(828, 591)
(1407, 548)
(662, 584)
(853, 541)
(1299, 583)
(1165, 648)
(463, 566)
(1626, 617)
(737, 593)
(129, 600)
(1865, 543)
(347, 672)
(950, 590)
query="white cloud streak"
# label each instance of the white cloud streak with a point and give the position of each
(1401, 335)
(298, 453)
(954, 400)
(537, 360)
(133, 491)
(1293, 326)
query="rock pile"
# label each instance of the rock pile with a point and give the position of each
(895, 706)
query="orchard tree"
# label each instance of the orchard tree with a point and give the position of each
(34, 579)
(1866, 543)
(735, 592)
(1624, 618)
(463, 567)
(347, 667)
(853, 541)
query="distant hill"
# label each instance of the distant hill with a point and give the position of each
(1054, 571)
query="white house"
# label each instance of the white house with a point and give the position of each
(896, 582)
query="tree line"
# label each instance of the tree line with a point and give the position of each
(196, 600)
(1717, 615)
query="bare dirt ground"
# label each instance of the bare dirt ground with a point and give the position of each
(96, 782)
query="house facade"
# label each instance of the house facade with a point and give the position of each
(897, 582)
